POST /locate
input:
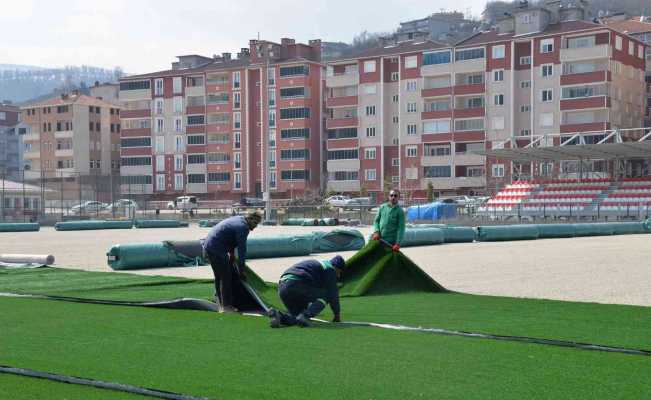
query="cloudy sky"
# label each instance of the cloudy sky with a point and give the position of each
(145, 35)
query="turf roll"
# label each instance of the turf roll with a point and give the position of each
(507, 232)
(148, 255)
(41, 259)
(92, 225)
(160, 223)
(422, 237)
(293, 221)
(337, 240)
(629, 228)
(329, 222)
(209, 223)
(19, 227)
(458, 234)
(310, 222)
(279, 246)
(593, 229)
(548, 231)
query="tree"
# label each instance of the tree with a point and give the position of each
(430, 192)
(363, 191)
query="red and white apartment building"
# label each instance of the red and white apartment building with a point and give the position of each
(221, 127)
(416, 112)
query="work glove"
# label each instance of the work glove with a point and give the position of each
(376, 236)
(336, 318)
(395, 247)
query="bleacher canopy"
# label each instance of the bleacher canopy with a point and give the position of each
(605, 151)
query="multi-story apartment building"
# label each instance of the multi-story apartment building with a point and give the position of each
(70, 138)
(416, 112)
(221, 127)
(443, 26)
(11, 131)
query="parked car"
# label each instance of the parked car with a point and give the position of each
(183, 203)
(359, 201)
(122, 207)
(250, 202)
(337, 201)
(88, 207)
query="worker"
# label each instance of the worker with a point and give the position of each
(305, 288)
(389, 223)
(219, 247)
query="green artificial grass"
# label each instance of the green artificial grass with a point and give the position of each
(239, 357)
(25, 388)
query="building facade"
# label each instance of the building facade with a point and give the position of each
(72, 139)
(222, 127)
(416, 112)
(11, 144)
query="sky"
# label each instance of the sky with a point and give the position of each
(144, 35)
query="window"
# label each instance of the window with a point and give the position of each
(370, 131)
(438, 126)
(294, 71)
(272, 118)
(218, 79)
(196, 139)
(135, 161)
(237, 180)
(370, 89)
(178, 124)
(179, 145)
(237, 140)
(295, 133)
(583, 91)
(394, 119)
(218, 158)
(344, 176)
(497, 171)
(158, 87)
(546, 95)
(370, 174)
(218, 98)
(294, 113)
(292, 92)
(498, 99)
(196, 178)
(347, 154)
(411, 107)
(412, 86)
(196, 158)
(369, 154)
(525, 84)
(160, 182)
(194, 101)
(475, 79)
(395, 162)
(370, 110)
(272, 158)
(498, 123)
(160, 125)
(196, 120)
(295, 175)
(580, 42)
(526, 19)
(176, 84)
(131, 142)
(547, 70)
(470, 54)
(437, 105)
(237, 100)
(525, 60)
(272, 138)
(194, 81)
(295, 154)
(219, 118)
(271, 76)
(136, 85)
(342, 133)
(272, 97)
(160, 144)
(525, 132)
(631, 48)
(619, 42)
(547, 46)
(498, 51)
(178, 181)
(236, 79)
(411, 151)
(437, 150)
(135, 180)
(237, 120)
(219, 177)
(411, 129)
(547, 120)
(178, 104)
(640, 52)
(498, 75)
(411, 62)
(178, 162)
(469, 124)
(439, 57)
(237, 160)
(525, 108)
(395, 76)
(369, 66)
(437, 172)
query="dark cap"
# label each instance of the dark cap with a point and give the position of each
(338, 262)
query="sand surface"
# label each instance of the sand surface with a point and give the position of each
(606, 269)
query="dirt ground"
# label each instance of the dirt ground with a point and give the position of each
(607, 269)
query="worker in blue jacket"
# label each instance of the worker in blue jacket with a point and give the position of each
(305, 289)
(220, 246)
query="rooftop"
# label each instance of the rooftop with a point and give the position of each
(400, 48)
(629, 26)
(70, 99)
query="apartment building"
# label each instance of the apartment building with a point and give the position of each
(222, 127)
(11, 144)
(71, 137)
(416, 112)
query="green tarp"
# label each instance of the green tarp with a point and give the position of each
(422, 237)
(160, 223)
(19, 227)
(555, 231)
(459, 234)
(92, 225)
(148, 255)
(337, 240)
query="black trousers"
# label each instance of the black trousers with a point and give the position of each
(224, 275)
(299, 298)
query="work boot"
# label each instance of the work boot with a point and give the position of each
(303, 321)
(275, 318)
(228, 309)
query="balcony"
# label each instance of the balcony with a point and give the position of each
(343, 165)
(585, 77)
(455, 183)
(468, 158)
(586, 53)
(469, 112)
(137, 189)
(145, 113)
(64, 153)
(433, 92)
(31, 137)
(436, 114)
(31, 155)
(342, 80)
(344, 186)
(332, 123)
(478, 88)
(341, 101)
(190, 110)
(196, 188)
(64, 134)
(585, 127)
(585, 102)
(433, 161)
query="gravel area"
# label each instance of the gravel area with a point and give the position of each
(606, 269)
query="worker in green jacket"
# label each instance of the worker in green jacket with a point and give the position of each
(390, 222)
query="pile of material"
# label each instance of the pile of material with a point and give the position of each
(209, 223)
